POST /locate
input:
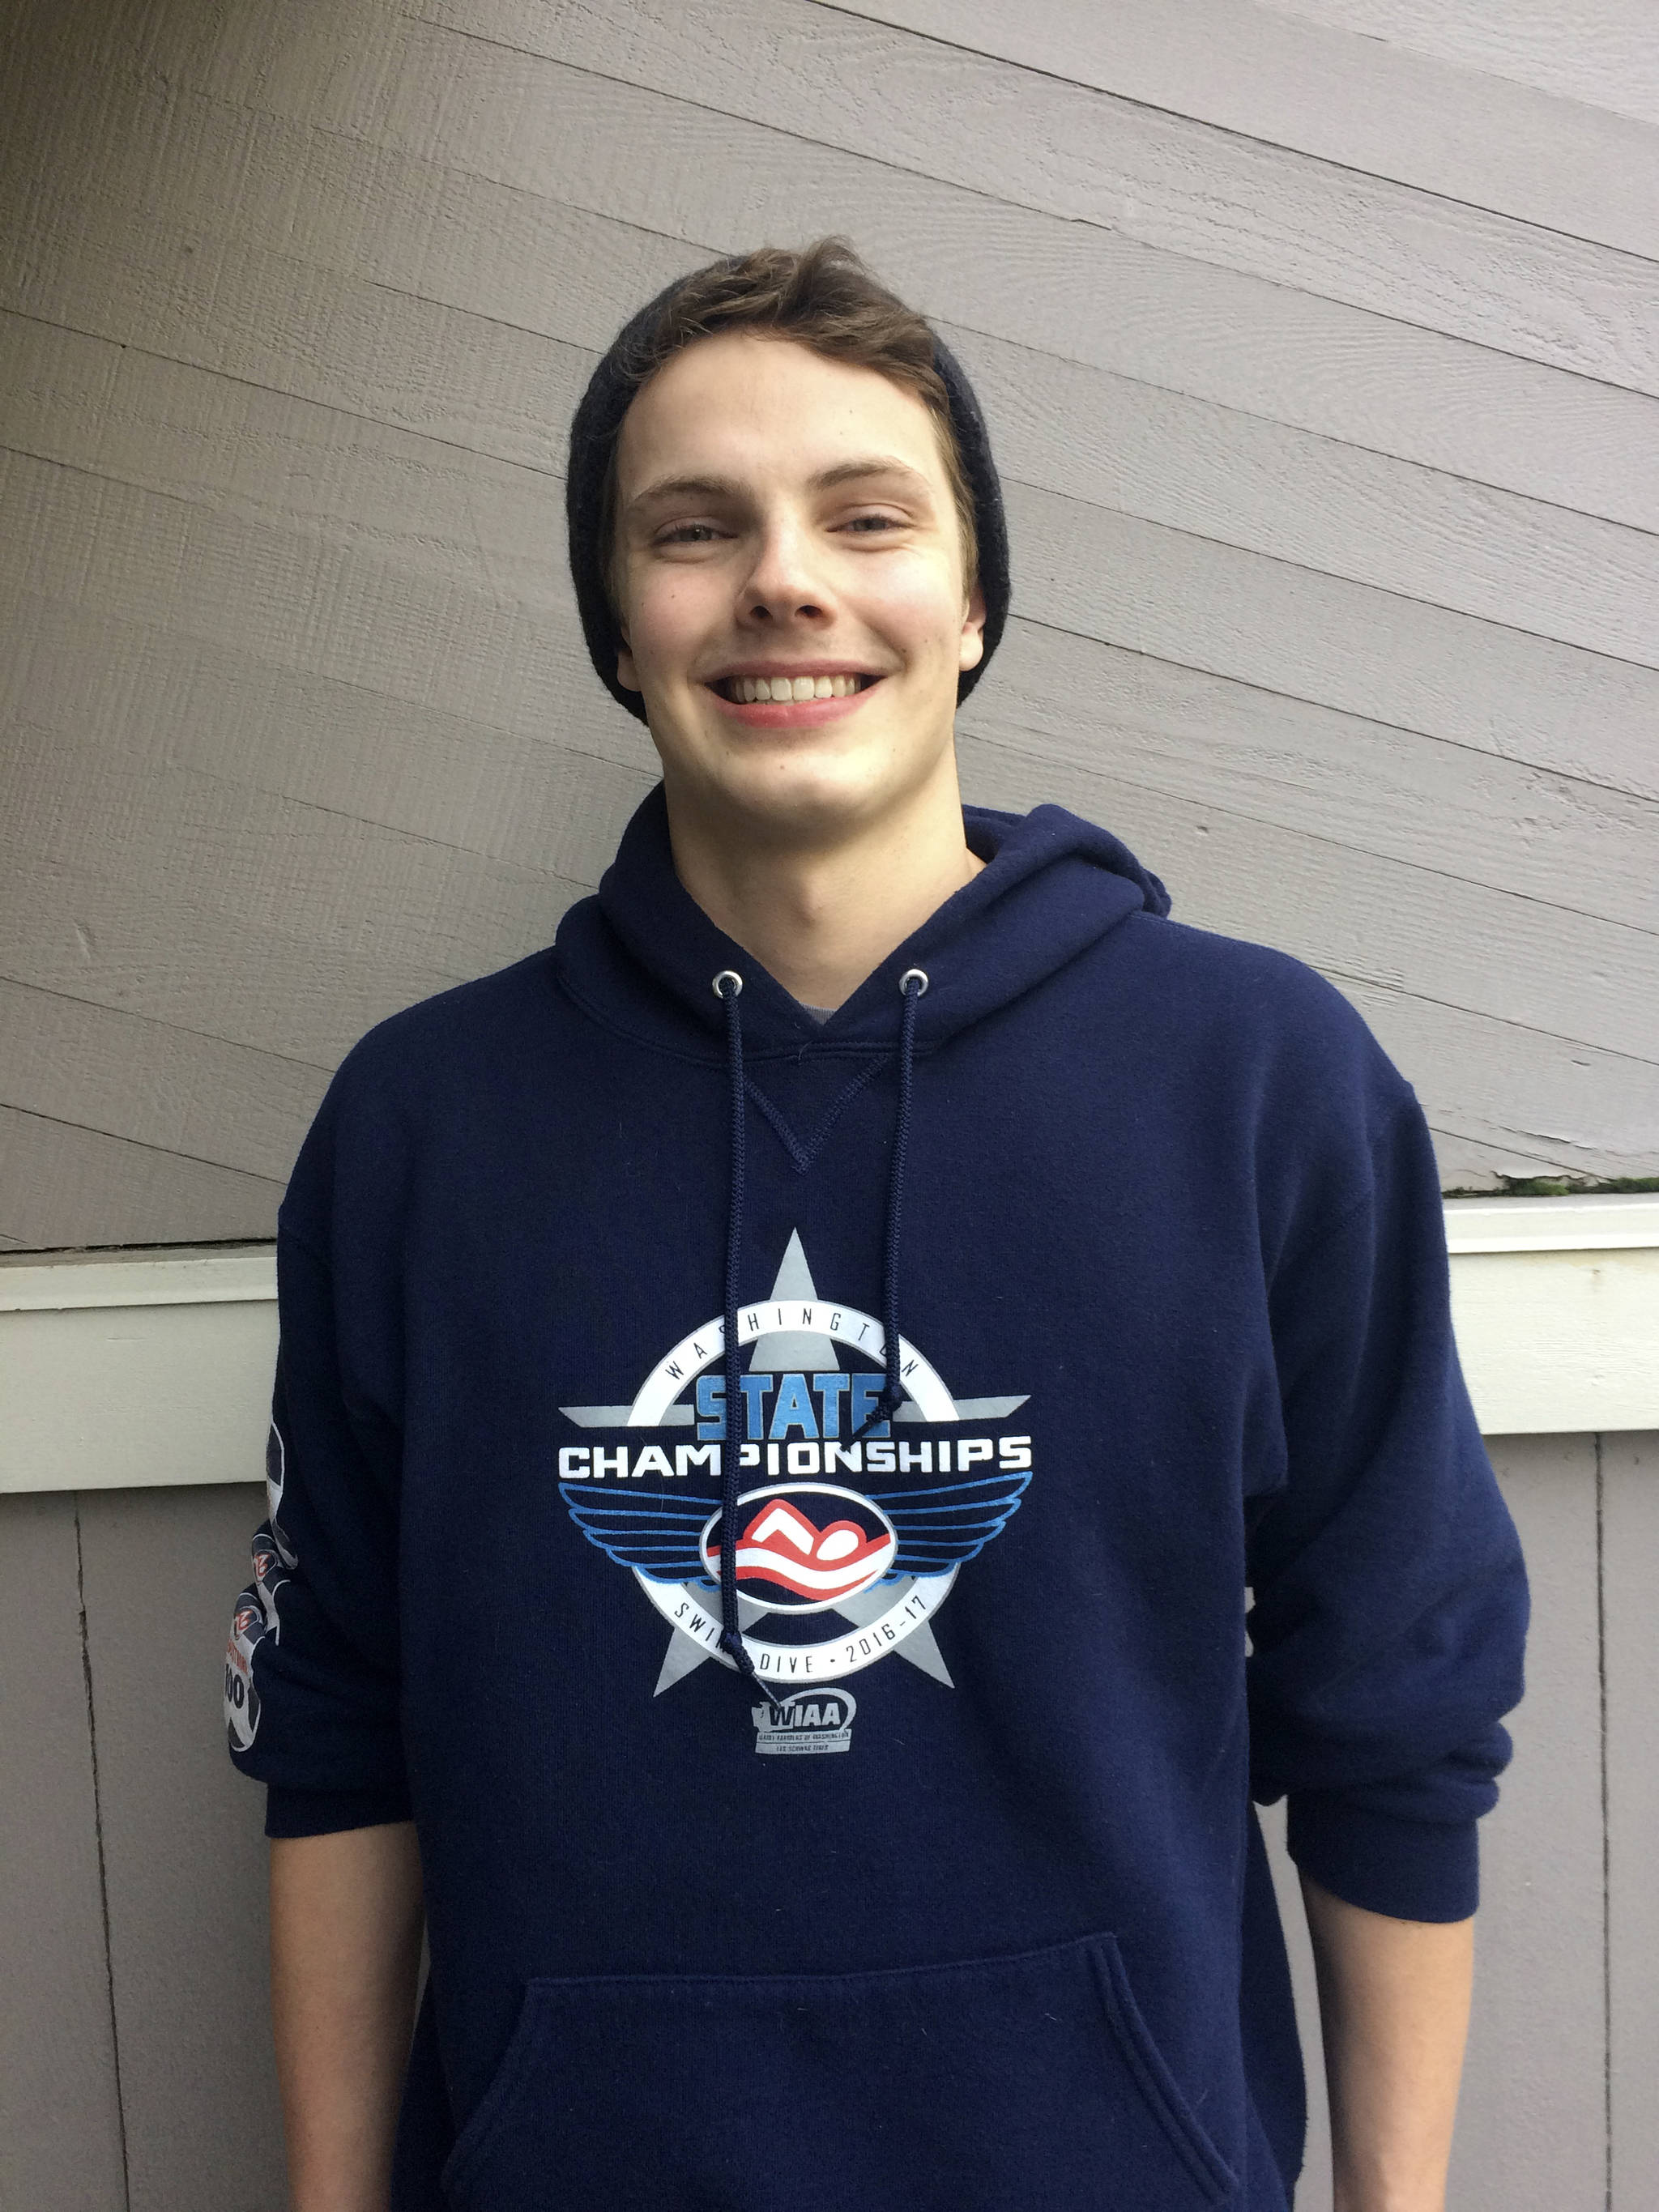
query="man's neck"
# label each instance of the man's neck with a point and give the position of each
(819, 918)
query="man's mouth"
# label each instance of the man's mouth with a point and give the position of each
(761, 690)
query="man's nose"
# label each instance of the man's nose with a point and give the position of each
(785, 582)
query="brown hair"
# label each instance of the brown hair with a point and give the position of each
(823, 297)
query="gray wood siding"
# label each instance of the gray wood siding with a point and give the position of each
(60, 2112)
(1630, 1535)
(183, 1855)
(132, 1916)
(1320, 349)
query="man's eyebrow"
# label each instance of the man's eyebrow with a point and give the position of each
(852, 471)
(871, 465)
(683, 487)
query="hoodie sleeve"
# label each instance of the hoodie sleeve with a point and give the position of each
(1390, 1600)
(312, 1666)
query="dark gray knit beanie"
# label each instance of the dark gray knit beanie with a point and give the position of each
(593, 432)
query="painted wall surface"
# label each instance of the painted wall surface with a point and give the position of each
(135, 2045)
(1320, 349)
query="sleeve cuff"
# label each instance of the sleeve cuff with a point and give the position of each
(1409, 1869)
(326, 1812)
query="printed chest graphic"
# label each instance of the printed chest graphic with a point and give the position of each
(845, 1550)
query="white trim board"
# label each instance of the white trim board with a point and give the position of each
(123, 1370)
(146, 1368)
(1619, 1221)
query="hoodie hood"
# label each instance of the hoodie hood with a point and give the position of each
(643, 956)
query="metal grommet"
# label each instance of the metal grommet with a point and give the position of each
(727, 976)
(921, 975)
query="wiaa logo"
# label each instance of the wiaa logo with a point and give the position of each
(805, 1547)
(811, 1720)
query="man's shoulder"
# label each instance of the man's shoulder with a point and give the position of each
(1252, 989)
(452, 1028)
(1262, 1036)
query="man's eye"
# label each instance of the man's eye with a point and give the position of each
(688, 534)
(869, 523)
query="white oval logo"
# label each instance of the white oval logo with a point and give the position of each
(805, 1547)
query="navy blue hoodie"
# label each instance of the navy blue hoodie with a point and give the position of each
(917, 1865)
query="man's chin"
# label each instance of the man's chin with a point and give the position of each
(774, 770)
(797, 787)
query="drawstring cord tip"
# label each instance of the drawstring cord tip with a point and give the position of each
(732, 1643)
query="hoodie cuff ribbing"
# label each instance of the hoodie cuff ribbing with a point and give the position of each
(326, 1812)
(1409, 1869)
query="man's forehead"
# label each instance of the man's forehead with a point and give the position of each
(724, 404)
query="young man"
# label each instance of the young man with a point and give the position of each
(781, 1399)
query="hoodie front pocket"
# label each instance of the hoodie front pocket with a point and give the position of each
(992, 2085)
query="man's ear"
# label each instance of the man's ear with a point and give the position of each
(627, 675)
(973, 629)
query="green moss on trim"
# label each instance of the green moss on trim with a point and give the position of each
(1559, 1187)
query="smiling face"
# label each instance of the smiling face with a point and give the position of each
(788, 570)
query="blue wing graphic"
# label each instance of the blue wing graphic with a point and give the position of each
(645, 1530)
(939, 1529)
(659, 1534)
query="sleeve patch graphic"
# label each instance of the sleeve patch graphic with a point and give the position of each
(254, 1617)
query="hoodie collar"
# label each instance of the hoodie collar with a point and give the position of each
(643, 955)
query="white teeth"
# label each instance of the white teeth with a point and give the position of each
(754, 690)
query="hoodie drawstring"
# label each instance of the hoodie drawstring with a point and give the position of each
(728, 987)
(912, 983)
